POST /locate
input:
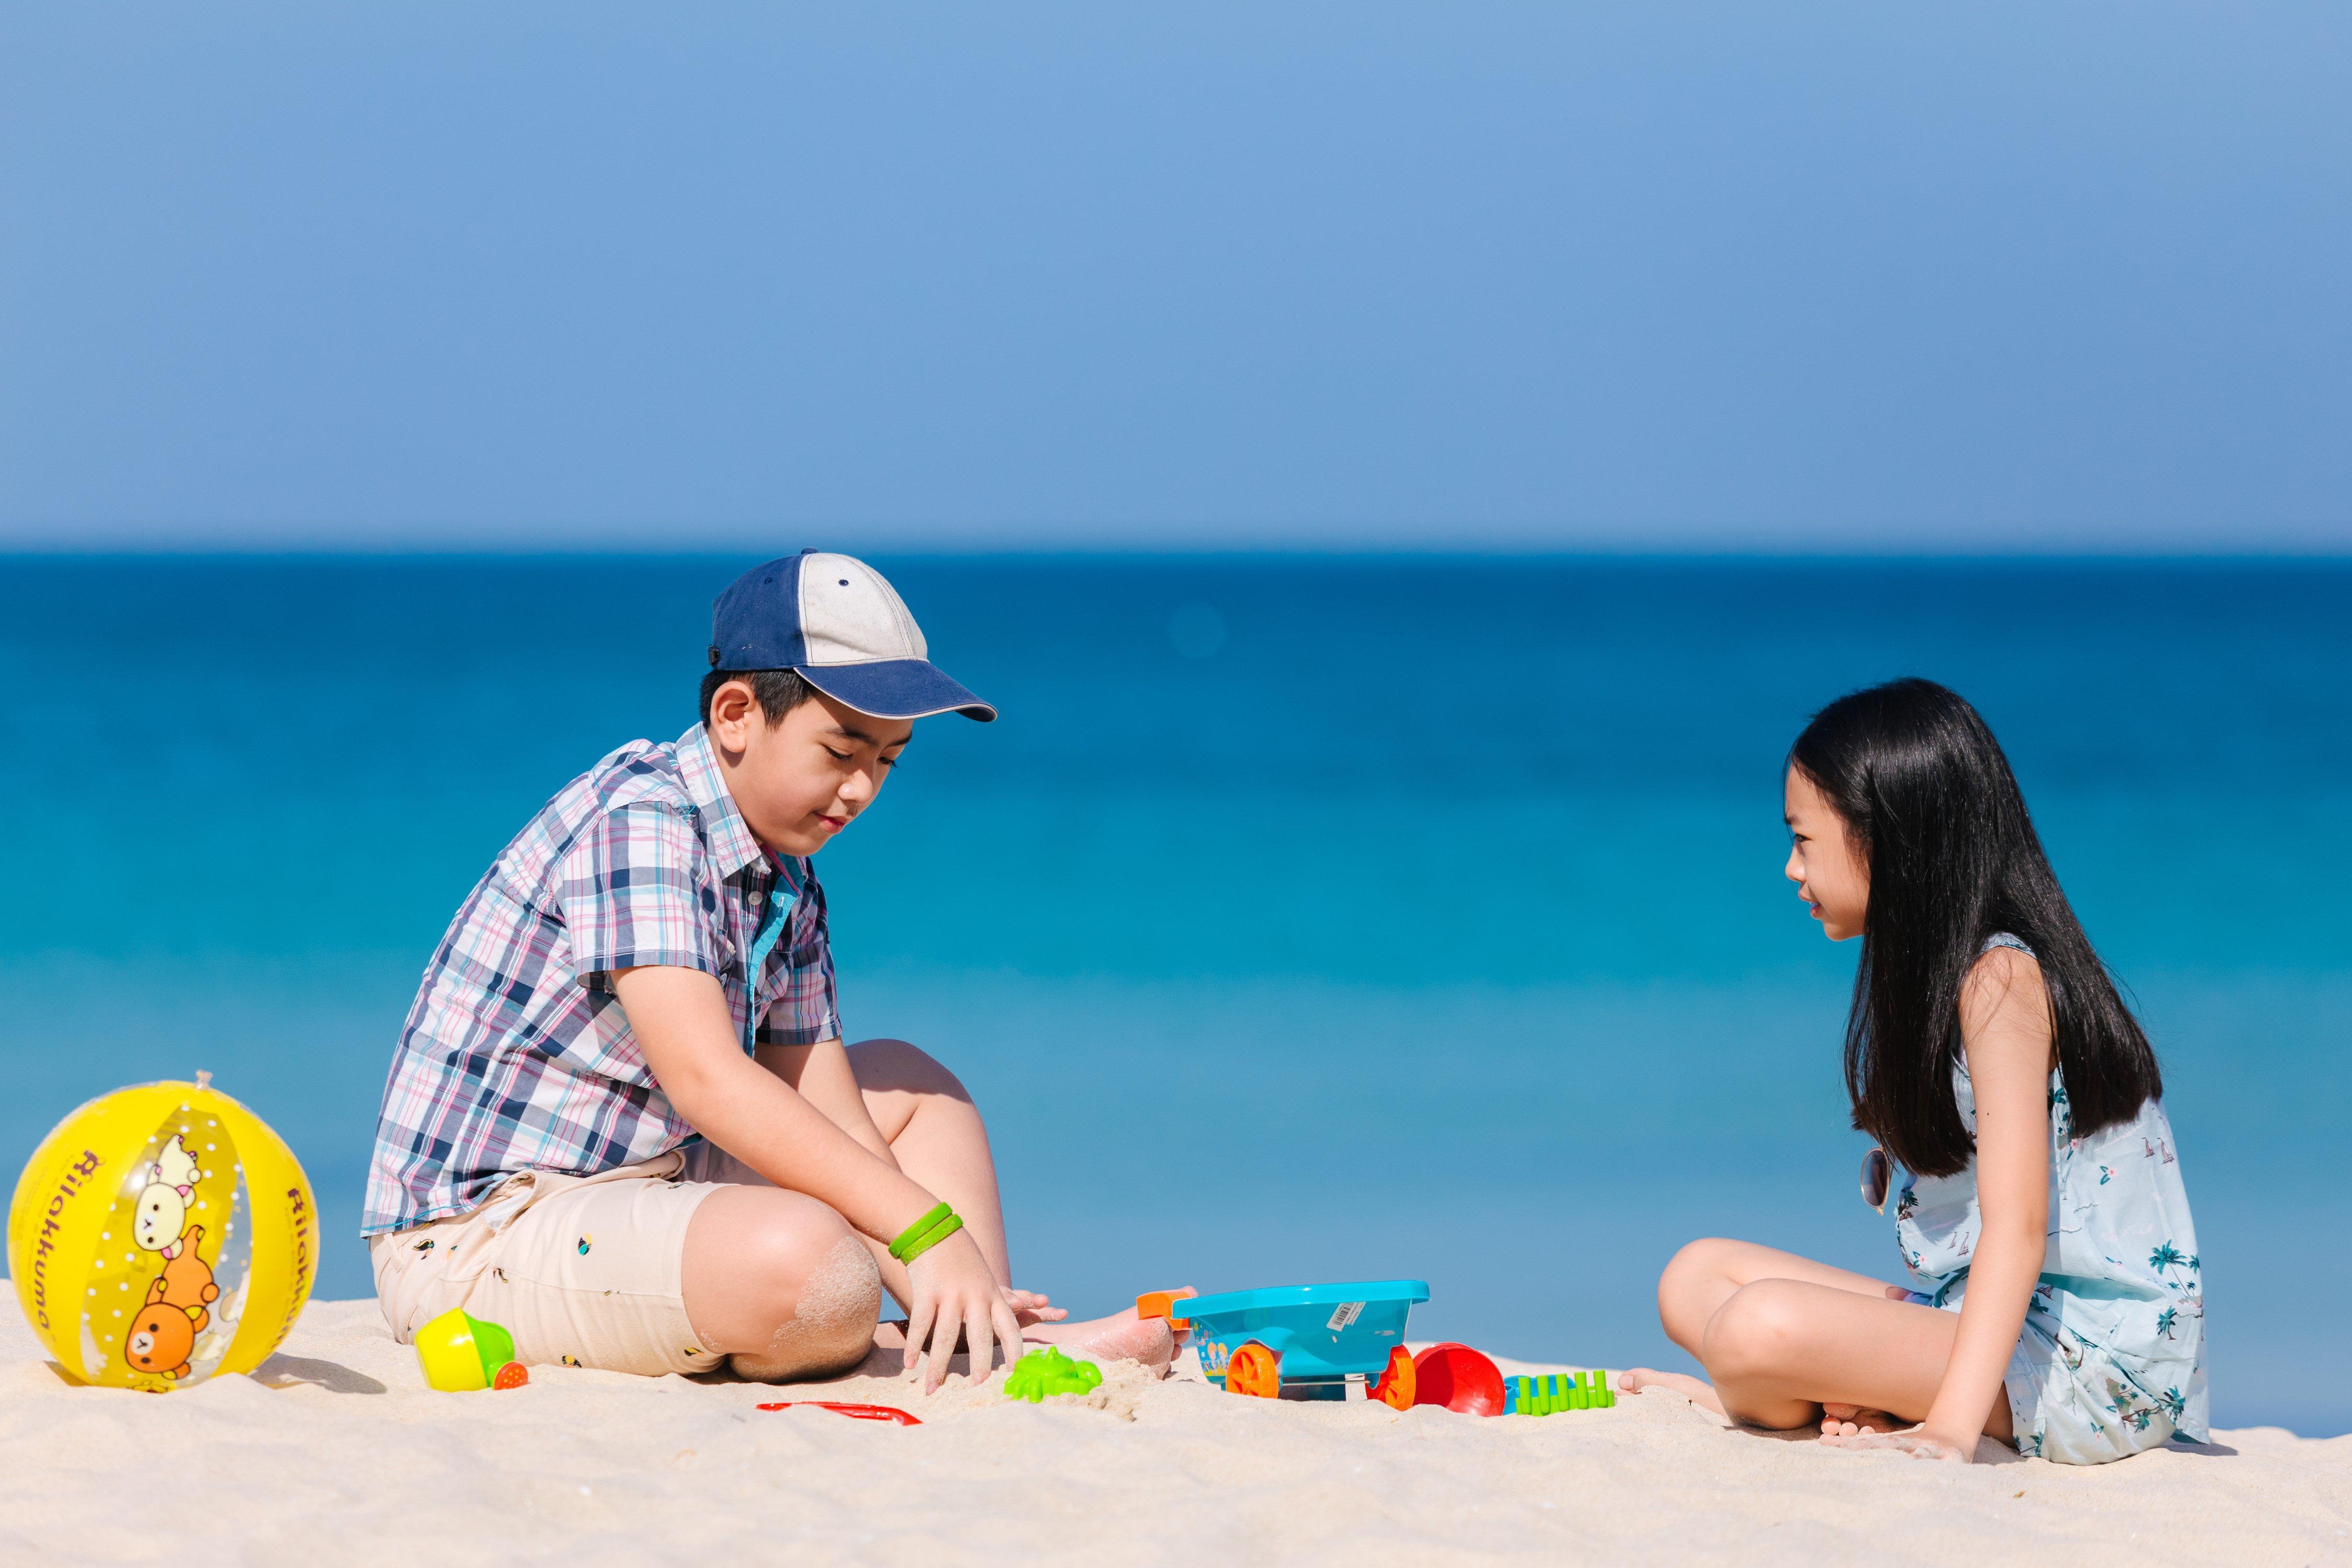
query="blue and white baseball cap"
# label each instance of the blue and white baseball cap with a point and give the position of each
(839, 624)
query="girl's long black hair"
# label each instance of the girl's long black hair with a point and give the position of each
(1930, 801)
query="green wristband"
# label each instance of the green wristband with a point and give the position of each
(916, 1231)
(939, 1233)
(932, 1236)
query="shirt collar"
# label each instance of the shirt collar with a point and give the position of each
(730, 836)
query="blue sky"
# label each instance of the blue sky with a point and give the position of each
(1657, 275)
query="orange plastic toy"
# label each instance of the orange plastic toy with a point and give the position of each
(1157, 1303)
(1398, 1382)
(1254, 1370)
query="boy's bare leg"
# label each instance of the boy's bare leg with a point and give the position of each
(926, 1115)
(1790, 1341)
(936, 1134)
(779, 1283)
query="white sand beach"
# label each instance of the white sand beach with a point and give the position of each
(335, 1452)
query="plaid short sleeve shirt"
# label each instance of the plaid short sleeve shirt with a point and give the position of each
(516, 1055)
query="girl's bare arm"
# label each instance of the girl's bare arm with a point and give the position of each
(2005, 1029)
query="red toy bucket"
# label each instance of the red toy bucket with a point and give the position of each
(1459, 1378)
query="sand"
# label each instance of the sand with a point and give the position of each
(333, 1452)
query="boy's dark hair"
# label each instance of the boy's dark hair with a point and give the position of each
(1936, 813)
(777, 691)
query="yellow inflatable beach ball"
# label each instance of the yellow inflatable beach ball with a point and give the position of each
(160, 1234)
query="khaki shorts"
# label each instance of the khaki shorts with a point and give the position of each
(583, 1271)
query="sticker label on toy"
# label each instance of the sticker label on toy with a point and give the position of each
(1347, 1313)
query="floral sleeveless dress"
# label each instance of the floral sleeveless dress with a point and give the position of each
(2112, 1360)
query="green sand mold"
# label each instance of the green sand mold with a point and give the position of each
(1557, 1392)
(1048, 1372)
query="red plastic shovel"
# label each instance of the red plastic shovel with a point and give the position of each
(855, 1412)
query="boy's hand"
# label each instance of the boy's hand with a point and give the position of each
(956, 1294)
(1032, 1307)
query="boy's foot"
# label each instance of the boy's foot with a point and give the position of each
(1122, 1336)
(1852, 1420)
(1698, 1391)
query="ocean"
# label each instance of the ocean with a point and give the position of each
(1302, 919)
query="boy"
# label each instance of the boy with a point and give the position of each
(621, 1121)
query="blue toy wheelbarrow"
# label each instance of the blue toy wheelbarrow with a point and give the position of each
(1306, 1341)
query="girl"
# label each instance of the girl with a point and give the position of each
(2057, 1301)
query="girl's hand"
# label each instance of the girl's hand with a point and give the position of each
(1031, 1307)
(1919, 1442)
(956, 1295)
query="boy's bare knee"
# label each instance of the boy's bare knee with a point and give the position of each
(901, 1067)
(828, 1296)
(781, 1281)
(782, 1252)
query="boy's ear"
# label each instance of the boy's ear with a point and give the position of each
(733, 709)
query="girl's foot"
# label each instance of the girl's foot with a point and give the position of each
(1853, 1420)
(1698, 1391)
(1122, 1336)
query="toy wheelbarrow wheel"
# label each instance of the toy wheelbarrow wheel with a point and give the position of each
(1254, 1370)
(1398, 1382)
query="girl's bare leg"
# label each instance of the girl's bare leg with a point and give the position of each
(1706, 1274)
(1789, 1341)
(936, 1134)
(1781, 1349)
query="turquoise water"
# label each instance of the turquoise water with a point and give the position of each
(1301, 919)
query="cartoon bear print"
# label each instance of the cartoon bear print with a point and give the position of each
(175, 1167)
(163, 1211)
(186, 1281)
(159, 1219)
(160, 1338)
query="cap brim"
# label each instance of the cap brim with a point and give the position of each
(895, 689)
